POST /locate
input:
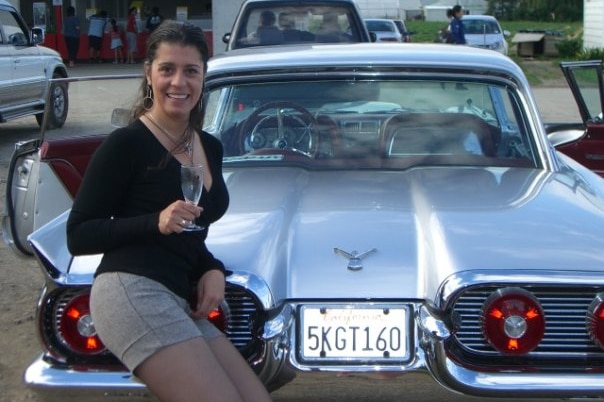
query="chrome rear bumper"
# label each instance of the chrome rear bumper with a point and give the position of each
(430, 365)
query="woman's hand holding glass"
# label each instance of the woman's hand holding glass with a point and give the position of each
(176, 216)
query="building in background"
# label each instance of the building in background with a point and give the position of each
(197, 11)
(216, 16)
(437, 10)
(593, 29)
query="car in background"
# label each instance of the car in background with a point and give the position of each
(485, 32)
(283, 22)
(397, 213)
(402, 28)
(26, 69)
(385, 30)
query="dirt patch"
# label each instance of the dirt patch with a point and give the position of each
(543, 73)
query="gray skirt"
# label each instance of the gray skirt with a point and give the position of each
(135, 317)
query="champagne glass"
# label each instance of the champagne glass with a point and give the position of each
(191, 183)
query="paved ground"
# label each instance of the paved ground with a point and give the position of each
(85, 69)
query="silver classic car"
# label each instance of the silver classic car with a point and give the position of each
(396, 213)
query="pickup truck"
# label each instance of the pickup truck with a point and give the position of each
(282, 22)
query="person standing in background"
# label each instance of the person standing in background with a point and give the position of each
(116, 42)
(457, 30)
(154, 20)
(71, 33)
(96, 28)
(131, 34)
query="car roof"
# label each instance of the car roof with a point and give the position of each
(329, 57)
(301, 2)
(380, 22)
(479, 17)
(378, 19)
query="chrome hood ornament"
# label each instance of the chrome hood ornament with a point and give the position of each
(354, 258)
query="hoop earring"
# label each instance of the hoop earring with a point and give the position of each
(148, 100)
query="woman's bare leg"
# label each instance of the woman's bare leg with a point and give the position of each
(242, 376)
(189, 372)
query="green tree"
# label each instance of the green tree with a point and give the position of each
(537, 10)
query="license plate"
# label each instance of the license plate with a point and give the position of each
(354, 334)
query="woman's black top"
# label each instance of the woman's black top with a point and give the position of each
(130, 179)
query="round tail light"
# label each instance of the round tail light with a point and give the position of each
(513, 321)
(76, 329)
(595, 320)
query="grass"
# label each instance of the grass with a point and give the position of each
(546, 69)
(426, 31)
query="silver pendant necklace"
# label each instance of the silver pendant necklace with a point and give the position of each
(185, 142)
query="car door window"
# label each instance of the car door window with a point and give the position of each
(588, 85)
(13, 32)
(586, 81)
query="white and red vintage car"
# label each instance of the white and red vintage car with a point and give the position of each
(394, 210)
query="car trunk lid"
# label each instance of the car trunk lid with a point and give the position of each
(400, 233)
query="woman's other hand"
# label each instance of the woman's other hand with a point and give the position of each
(210, 293)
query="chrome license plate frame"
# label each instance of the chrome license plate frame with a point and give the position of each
(345, 334)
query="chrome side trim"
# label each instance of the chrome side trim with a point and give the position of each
(519, 384)
(256, 285)
(42, 375)
(431, 325)
(280, 324)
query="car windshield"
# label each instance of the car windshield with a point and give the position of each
(393, 124)
(474, 27)
(382, 26)
(400, 26)
(296, 24)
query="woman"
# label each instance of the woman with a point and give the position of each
(130, 208)
(131, 34)
(71, 32)
(457, 31)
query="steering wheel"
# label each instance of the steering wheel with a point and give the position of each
(287, 128)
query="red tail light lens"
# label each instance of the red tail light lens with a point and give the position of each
(220, 317)
(75, 327)
(595, 320)
(513, 321)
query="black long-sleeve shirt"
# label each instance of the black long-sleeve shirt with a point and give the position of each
(116, 210)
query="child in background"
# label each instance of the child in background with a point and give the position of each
(116, 42)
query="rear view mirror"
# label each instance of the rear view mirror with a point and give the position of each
(120, 117)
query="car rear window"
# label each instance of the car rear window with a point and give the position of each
(297, 24)
(371, 124)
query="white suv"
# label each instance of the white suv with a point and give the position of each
(25, 71)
